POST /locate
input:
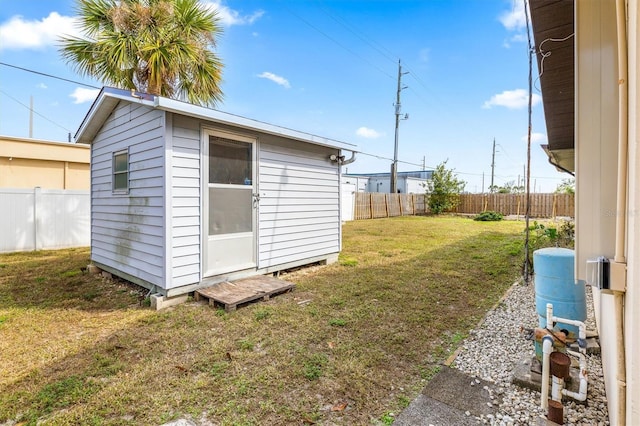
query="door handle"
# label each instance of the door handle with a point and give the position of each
(256, 198)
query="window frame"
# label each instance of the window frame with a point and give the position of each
(114, 172)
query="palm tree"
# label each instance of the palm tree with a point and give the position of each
(162, 47)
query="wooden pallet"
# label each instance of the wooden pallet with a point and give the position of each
(232, 294)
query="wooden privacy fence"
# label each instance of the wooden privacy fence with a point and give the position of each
(378, 205)
(542, 205)
(375, 205)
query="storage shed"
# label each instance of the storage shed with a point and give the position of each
(184, 196)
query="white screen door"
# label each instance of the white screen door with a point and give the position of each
(230, 205)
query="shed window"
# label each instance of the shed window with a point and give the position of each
(121, 171)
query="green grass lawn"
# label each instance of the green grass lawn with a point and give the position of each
(354, 342)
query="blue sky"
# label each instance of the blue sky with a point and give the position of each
(329, 67)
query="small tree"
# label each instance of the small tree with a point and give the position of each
(508, 188)
(567, 186)
(444, 189)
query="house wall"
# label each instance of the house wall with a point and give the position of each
(361, 182)
(415, 185)
(299, 211)
(27, 163)
(632, 297)
(185, 201)
(379, 184)
(128, 229)
(596, 168)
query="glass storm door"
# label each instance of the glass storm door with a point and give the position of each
(231, 204)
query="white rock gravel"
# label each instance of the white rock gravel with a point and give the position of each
(495, 346)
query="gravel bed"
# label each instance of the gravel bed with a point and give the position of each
(492, 350)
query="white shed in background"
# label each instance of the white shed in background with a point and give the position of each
(184, 196)
(408, 182)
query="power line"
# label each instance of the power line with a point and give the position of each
(48, 75)
(380, 49)
(338, 43)
(340, 20)
(380, 157)
(34, 111)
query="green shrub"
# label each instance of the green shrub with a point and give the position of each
(489, 216)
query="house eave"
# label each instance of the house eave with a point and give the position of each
(554, 35)
(562, 159)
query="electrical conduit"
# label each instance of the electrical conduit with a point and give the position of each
(621, 197)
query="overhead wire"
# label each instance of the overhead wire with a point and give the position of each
(379, 157)
(386, 53)
(34, 111)
(337, 42)
(337, 18)
(49, 75)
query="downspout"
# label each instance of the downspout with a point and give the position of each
(344, 162)
(621, 201)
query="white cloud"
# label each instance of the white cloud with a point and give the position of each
(276, 79)
(82, 95)
(535, 137)
(230, 17)
(512, 99)
(18, 33)
(368, 133)
(514, 19)
(41, 86)
(516, 38)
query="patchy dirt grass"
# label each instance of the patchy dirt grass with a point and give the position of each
(353, 344)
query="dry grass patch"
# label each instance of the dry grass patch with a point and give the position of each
(355, 341)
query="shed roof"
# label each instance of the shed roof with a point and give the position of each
(109, 97)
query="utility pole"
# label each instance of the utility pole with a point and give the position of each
(394, 166)
(483, 182)
(424, 159)
(493, 163)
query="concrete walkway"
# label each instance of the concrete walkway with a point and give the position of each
(451, 398)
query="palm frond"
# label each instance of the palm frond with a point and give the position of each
(159, 46)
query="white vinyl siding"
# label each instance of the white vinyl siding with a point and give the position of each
(127, 229)
(299, 213)
(185, 195)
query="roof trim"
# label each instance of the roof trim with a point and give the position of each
(109, 97)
